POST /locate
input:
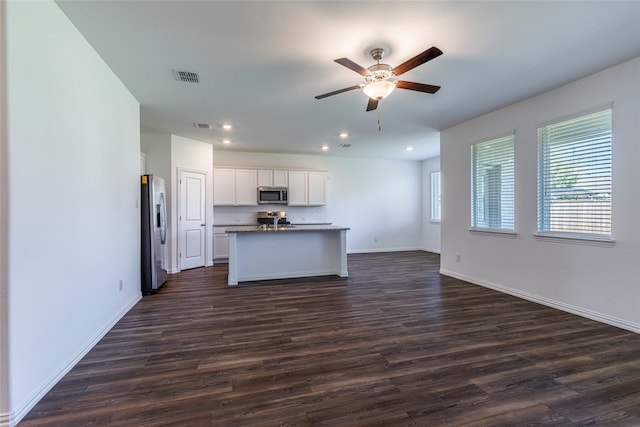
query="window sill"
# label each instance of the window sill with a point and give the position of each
(509, 234)
(433, 221)
(576, 239)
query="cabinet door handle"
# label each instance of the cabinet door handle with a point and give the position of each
(202, 225)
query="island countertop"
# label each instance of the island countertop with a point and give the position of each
(283, 228)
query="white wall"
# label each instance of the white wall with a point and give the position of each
(73, 218)
(5, 406)
(596, 282)
(380, 200)
(430, 230)
(157, 150)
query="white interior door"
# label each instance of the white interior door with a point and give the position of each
(192, 221)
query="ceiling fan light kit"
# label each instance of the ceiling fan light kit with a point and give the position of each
(379, 89)
(381, 78)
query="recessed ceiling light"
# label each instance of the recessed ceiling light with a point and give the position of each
(325, 147)
(409, 148)
(227, 126)
(343, 135)
(226, 141)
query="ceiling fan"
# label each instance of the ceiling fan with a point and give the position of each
(381, 78)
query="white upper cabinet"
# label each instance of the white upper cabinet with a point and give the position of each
(238, 186)
(224, 186)
(265, 178)
(235, 187)
(273, 178)
(246, 187)
(298, 188)
(317, 195)
(280, 178)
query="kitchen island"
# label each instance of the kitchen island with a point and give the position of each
(285, 252)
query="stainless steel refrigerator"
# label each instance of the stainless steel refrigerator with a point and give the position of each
(154, 233)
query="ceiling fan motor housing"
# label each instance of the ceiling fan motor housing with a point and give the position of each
(379, 72)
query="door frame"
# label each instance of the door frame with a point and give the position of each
(207, 232)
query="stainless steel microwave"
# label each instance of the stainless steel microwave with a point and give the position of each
(273, 195)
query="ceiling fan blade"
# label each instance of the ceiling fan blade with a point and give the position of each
(352, 66)
(420, 87)
(427, 55)
(372, 104)
(335, 92)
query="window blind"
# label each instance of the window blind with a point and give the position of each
(492, 184)
(435, 197)
(574, 175)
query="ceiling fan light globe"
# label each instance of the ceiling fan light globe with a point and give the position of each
(379, 89)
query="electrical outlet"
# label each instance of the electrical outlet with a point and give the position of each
(457, 257)
(121, 285)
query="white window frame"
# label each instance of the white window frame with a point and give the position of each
(436, 206)
(503, 154)
(598, 146)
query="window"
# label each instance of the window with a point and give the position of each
(435, 197)
(492, 185)
(574, 176)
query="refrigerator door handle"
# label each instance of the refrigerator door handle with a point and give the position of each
(163, 220)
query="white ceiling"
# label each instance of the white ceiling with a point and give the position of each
(262, 62)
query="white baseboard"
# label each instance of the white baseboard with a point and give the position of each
(579, 311)
(380, 250)
(432, 250)
(14, 417)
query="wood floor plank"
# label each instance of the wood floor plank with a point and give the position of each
(395, 344)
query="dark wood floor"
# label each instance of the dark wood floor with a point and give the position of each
(395, 344)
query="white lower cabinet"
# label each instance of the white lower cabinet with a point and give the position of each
(220, 244)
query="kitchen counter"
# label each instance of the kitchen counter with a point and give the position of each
(282, 228)
(286, 252)
(252, 225)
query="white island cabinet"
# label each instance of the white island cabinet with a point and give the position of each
(286, 252)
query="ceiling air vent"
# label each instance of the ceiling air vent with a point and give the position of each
(344, 145)
(186, 76)
(203, 125)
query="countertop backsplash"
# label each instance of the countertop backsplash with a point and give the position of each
(246, 215)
